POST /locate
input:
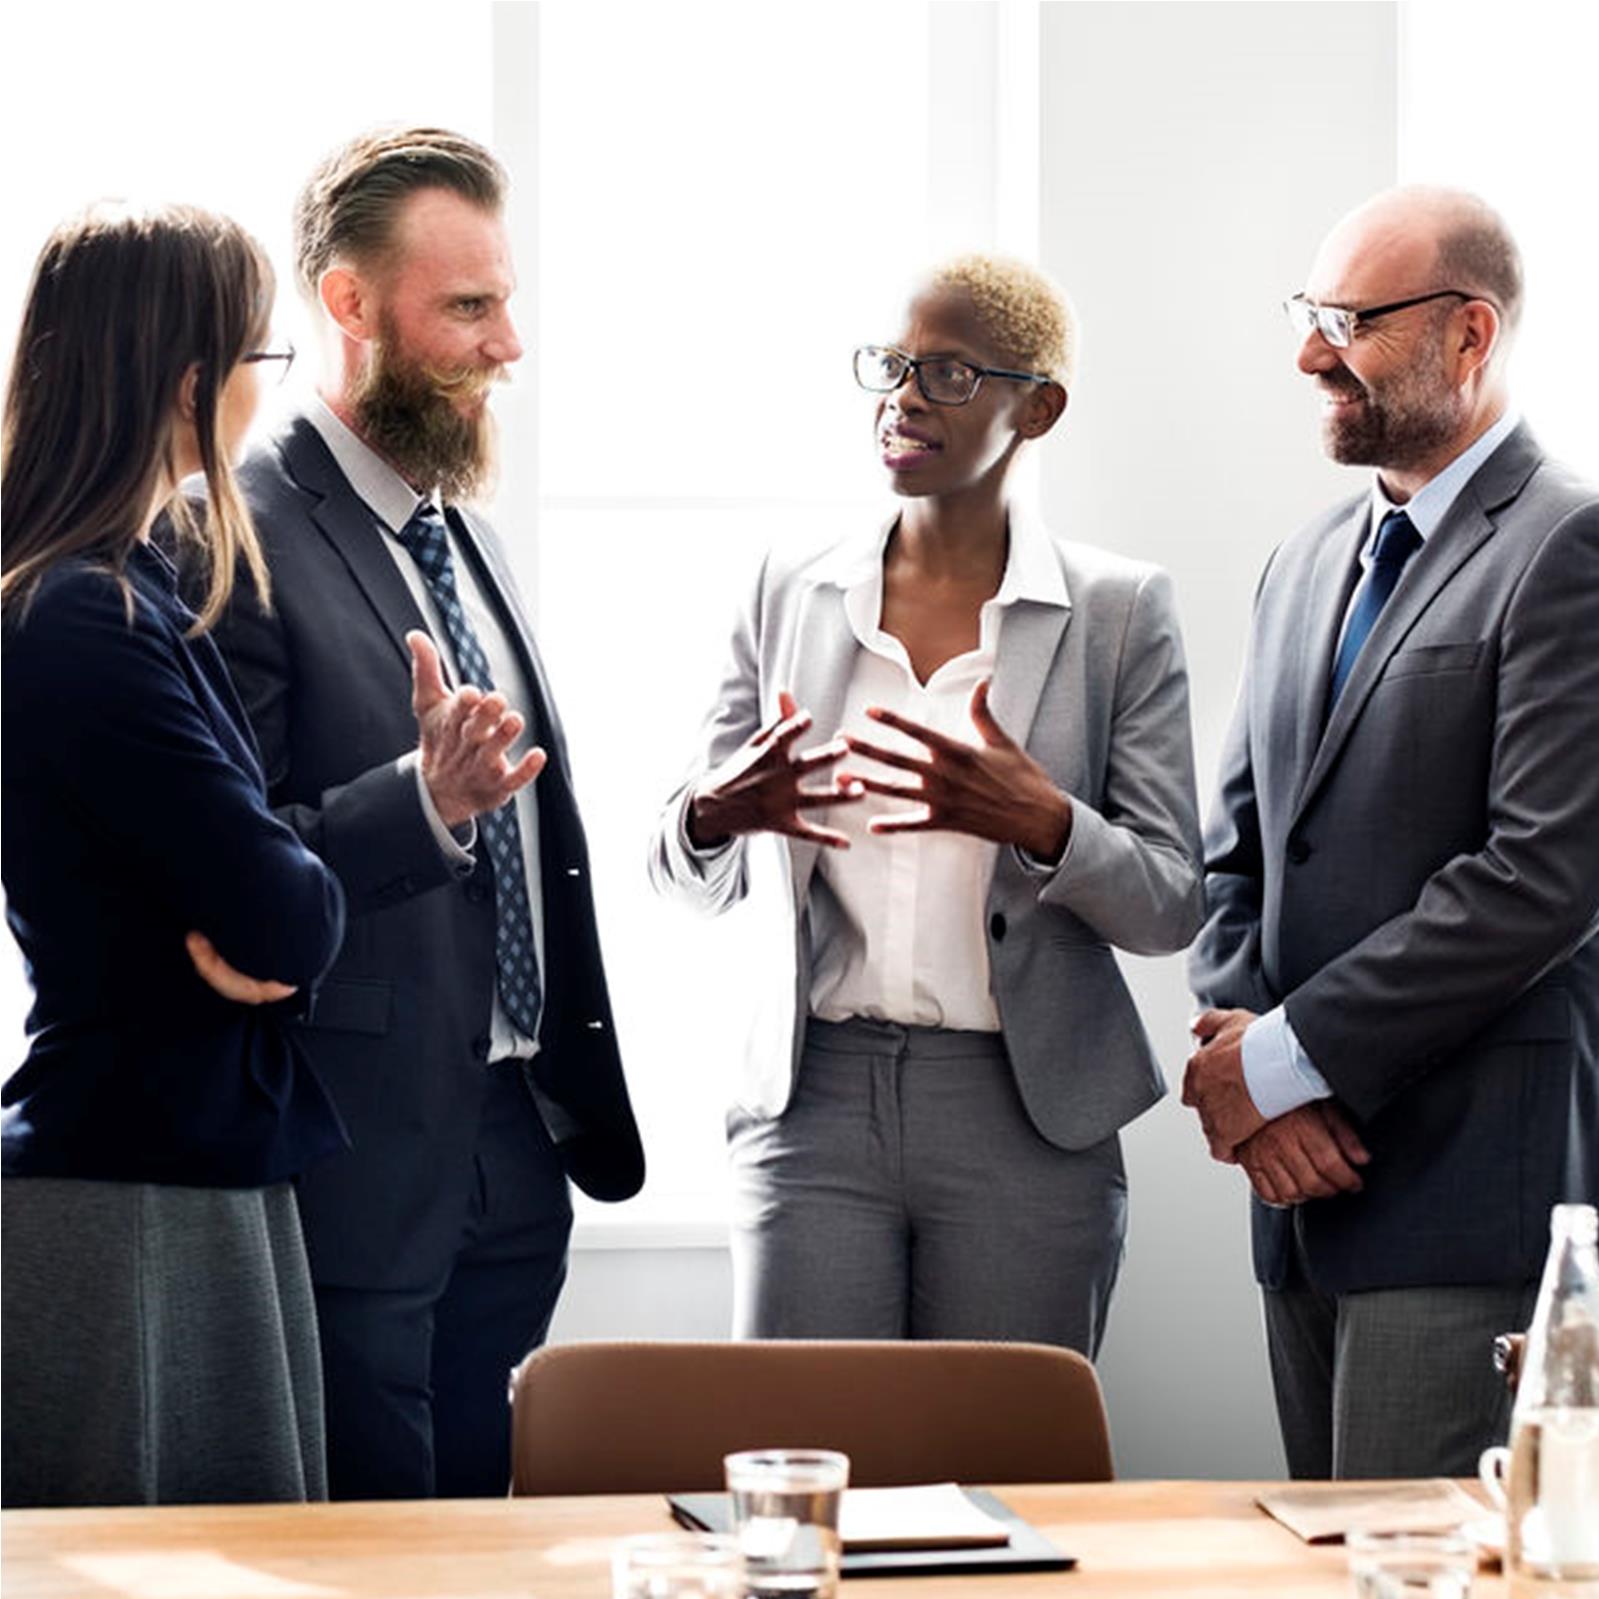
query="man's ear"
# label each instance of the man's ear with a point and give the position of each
(1045, 405)
(1480, 332)
(347, 297)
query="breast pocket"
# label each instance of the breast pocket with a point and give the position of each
(351, 1005)
(1428, 660)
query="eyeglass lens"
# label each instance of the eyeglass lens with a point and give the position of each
(944, 381)
(1331, 321)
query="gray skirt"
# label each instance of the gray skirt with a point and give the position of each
(160, 1346)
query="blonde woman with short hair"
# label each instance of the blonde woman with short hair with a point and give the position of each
(952, 759)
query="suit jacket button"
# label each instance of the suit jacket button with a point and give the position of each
(480, 1046)
(996, 926)
(476, 892)
(1299, 850)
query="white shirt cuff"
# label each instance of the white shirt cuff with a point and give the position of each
(1277, 1071)
(455, 844)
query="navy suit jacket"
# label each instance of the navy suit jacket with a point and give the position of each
(134, 813)
(400, 1028)
(1416, 876)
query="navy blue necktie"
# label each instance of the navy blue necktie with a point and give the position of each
(1397, 541)
(517, 967)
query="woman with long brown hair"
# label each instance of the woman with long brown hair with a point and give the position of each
(159, 1337)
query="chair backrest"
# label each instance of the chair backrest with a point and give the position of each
(658, 1417)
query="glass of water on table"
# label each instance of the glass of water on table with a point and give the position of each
(677, 1565)
(785, 1515)
(1411, 1565)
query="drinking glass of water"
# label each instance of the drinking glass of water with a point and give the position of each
(677, 1565)
(785, 1510)
(1412, 1565)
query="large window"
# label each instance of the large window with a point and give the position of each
(726, 206)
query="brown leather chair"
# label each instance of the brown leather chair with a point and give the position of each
(658, 1417)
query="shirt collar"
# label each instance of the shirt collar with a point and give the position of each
(1430, 504)
(1031, 570)
(389, 496)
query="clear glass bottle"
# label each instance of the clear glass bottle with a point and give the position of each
(1552, 1515)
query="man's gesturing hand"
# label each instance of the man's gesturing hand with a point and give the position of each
(229, 981)
(1214, 1082)
(1309, 1153)
(757, 789)
(993, 790)
(463, 736)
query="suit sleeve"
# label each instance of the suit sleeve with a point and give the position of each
(1224, 966)
(715, 879)
(1488, 923)
(104, 700)
(372, 830)
(1131, 868)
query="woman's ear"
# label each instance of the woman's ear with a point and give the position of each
(1046, 404)
(188, 386)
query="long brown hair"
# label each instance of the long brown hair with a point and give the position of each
(123, 303)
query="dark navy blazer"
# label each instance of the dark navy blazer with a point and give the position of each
(135, 811)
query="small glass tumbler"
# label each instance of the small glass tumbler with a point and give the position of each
(677, 1565)
(785, 1512)
(1411, 1565)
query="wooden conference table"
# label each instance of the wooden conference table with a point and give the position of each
(1156, 1540)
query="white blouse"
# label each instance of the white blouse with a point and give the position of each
(914, 948)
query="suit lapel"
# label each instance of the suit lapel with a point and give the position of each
(1030, 636)
(1334, 574)
(824, 659)
(1467, 525)
(350, 525)
(499, 587)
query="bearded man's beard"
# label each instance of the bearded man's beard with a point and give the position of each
(1397, 422)
(408, 413)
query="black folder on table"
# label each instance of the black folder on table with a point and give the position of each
(1028, 1549)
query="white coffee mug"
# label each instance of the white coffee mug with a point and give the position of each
(1492, 1468)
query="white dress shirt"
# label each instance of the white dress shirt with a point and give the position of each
(916, 950)
(1278, 1073)
(393, 502)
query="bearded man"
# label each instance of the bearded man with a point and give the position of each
(403, 716)
(1401, 952)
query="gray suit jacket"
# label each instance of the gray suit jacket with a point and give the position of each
(1419, 883)
(1097, 691)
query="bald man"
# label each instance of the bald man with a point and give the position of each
(1400, 968)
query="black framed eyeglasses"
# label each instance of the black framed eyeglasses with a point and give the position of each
(1337, 323)
(284, 358)
(941, 379)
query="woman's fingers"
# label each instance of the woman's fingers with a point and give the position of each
(822, 755)
(808, 799)
(229, 982)
(886, 757)
(941, 743)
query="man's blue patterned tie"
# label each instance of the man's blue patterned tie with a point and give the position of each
(1397, 541)
(514, 957)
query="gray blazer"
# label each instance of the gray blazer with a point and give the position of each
(1419, 883)
(1097, 691)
